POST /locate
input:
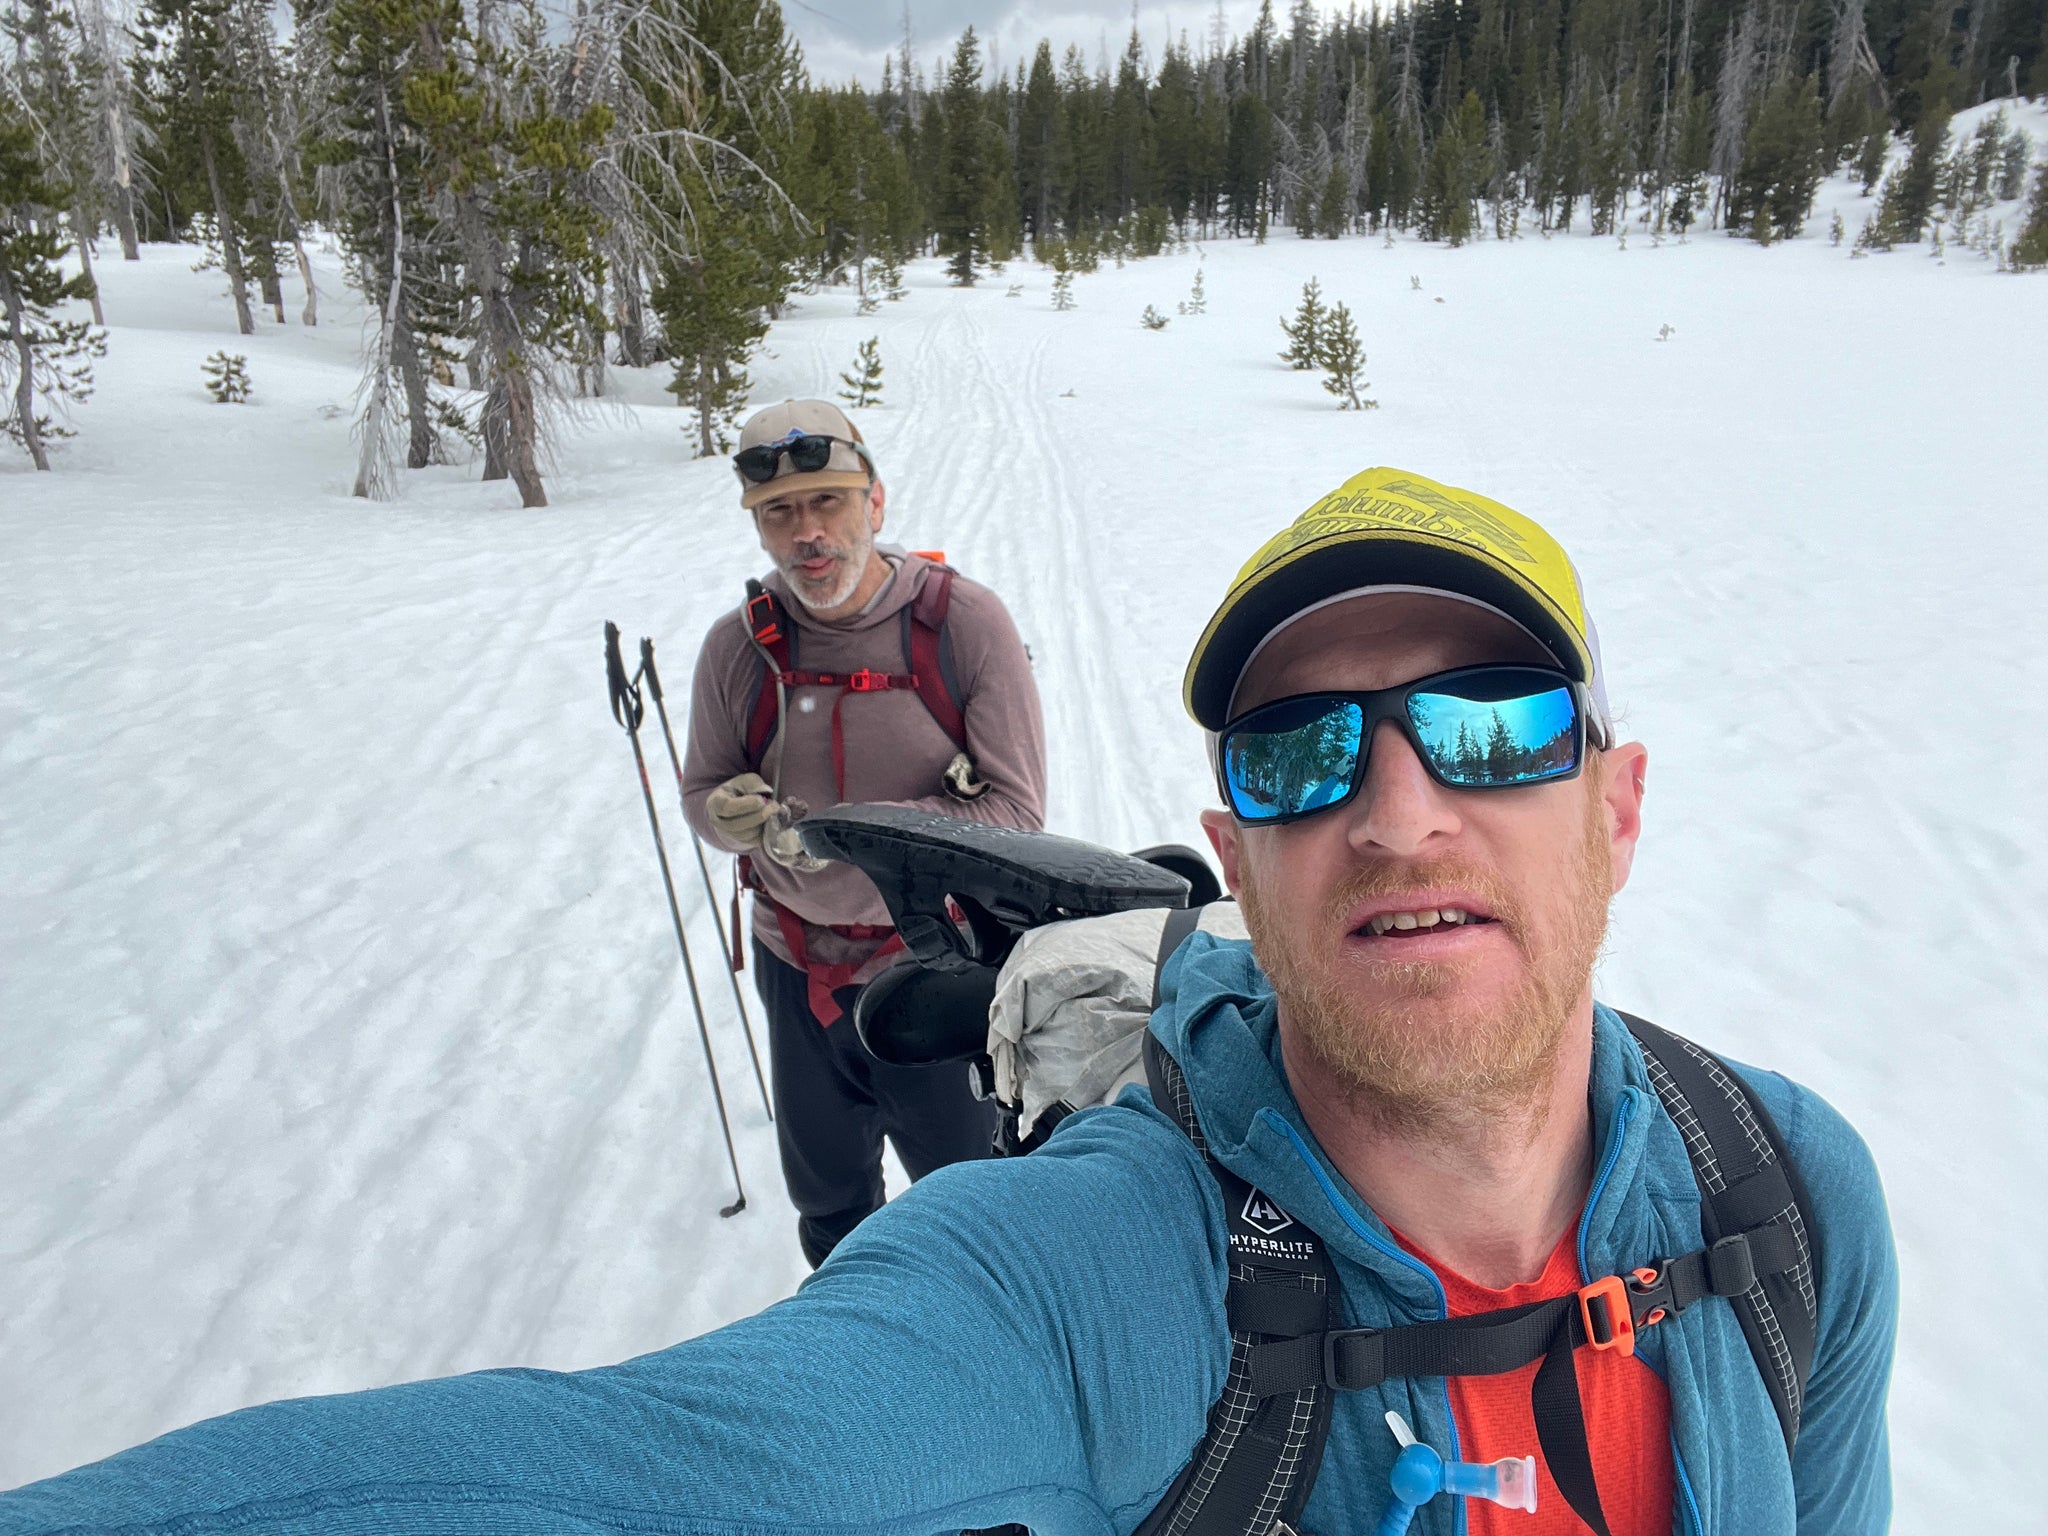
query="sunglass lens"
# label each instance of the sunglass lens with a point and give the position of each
(810, 454)
(1295, 756)
(757, 463)
(1494, 729)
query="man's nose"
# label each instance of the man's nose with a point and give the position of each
(1400, 809)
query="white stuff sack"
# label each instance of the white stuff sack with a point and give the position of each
(1068, 1021)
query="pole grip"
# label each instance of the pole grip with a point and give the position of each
(626, 706)
(647, 667)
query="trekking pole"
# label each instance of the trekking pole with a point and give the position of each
(628, 711)
(647, 670)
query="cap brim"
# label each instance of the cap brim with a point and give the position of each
(800, 482)
(1365, 558)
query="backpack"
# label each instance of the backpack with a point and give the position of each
(976, 905)
(925, 653)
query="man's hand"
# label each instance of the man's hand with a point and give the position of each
(745, 811)
(740, 807)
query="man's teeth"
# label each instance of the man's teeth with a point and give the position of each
(1428, 917)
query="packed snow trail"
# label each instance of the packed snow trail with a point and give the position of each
(342, 1038)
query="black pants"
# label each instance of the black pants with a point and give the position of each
(834, 1103)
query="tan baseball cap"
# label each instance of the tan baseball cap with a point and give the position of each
(846, 469)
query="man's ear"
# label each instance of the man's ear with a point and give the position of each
(878, 498)
(1623, 769)
(1223, 838)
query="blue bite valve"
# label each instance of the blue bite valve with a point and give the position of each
(1420, 1474)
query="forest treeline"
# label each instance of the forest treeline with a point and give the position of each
(527, 193)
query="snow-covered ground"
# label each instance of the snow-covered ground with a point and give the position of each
(341, 1034)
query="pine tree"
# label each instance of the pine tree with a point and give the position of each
(1062, 288)
(1909, 191)
(1196, 302)
(1152, 319)
(227, 378)
(864, 384)
(960, 204)
(2030, 251)
(1782, 162)
(1305, 332)
(1340, 356)
(45, 360)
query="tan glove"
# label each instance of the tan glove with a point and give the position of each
(740, 807)
(779, 839)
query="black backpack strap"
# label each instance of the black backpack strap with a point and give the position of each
(1747, 1182)
(1180, 922)
(1257, 1461)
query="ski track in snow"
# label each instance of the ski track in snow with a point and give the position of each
(342, 1038)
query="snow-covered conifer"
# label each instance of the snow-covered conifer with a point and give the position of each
(1340, 356)
(45, 359)
(1152, 319)
(1305, 331)
(864, 384)
(227, 378)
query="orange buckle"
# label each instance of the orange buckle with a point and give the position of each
(865, 681)
(765, 629)
(1604, 1308)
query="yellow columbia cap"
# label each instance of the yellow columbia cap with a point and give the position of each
(1389, 528)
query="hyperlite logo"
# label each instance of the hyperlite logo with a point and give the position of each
(1262, 1215)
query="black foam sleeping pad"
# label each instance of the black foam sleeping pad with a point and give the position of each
(1003, 881)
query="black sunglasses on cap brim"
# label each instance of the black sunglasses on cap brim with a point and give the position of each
(1472, 728)
(808, 453)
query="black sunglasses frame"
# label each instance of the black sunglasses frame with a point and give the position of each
(1392, 704)
(787, 445)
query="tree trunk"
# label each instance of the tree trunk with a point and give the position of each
(421, 440)
(492, 425)
(310, 315)
(632, 320)
(706, 389)
(25, 380)
(273, 290)
(124, 194)
(370, 476)
(230, 245)
(78, 238)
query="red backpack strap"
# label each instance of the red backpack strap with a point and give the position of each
(769, 629)
(927, 629)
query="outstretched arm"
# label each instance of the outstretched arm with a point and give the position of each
(982, 1351)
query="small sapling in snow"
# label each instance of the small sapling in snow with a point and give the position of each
(1195, 303)
(864, 384)
(1063, 291)
(227, 378)
(1341, 356)
(1305, 331)
(1152, 320)
(1835, 230)
(1414, 284)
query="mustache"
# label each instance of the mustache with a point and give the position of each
(1393, 876)
(817, 549)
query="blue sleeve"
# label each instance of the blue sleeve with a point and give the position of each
(1841, 1467)
(1035, 1341)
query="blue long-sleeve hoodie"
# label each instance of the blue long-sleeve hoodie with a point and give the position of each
(1039, 1341)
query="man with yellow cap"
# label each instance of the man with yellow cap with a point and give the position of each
(1406, 1210)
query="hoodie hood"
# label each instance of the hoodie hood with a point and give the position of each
(906, 580)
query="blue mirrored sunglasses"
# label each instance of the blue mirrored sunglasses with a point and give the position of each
(1473, 728)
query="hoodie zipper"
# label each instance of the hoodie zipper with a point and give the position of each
(1379, 1244)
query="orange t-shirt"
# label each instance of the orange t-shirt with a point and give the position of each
(1628, 1418)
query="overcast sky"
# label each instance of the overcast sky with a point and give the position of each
(847, 39)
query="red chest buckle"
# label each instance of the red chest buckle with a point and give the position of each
(1604, 1309)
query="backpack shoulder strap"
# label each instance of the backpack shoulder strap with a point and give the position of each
(1747, 1180)
(924, 649)
(769, 630)
(1252, 1472)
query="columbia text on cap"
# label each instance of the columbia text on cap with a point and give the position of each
(1390, 528)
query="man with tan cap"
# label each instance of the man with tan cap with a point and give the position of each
(1409, 1233)
(854, 672)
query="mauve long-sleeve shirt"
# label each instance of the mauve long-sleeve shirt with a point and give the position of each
(895, 751)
